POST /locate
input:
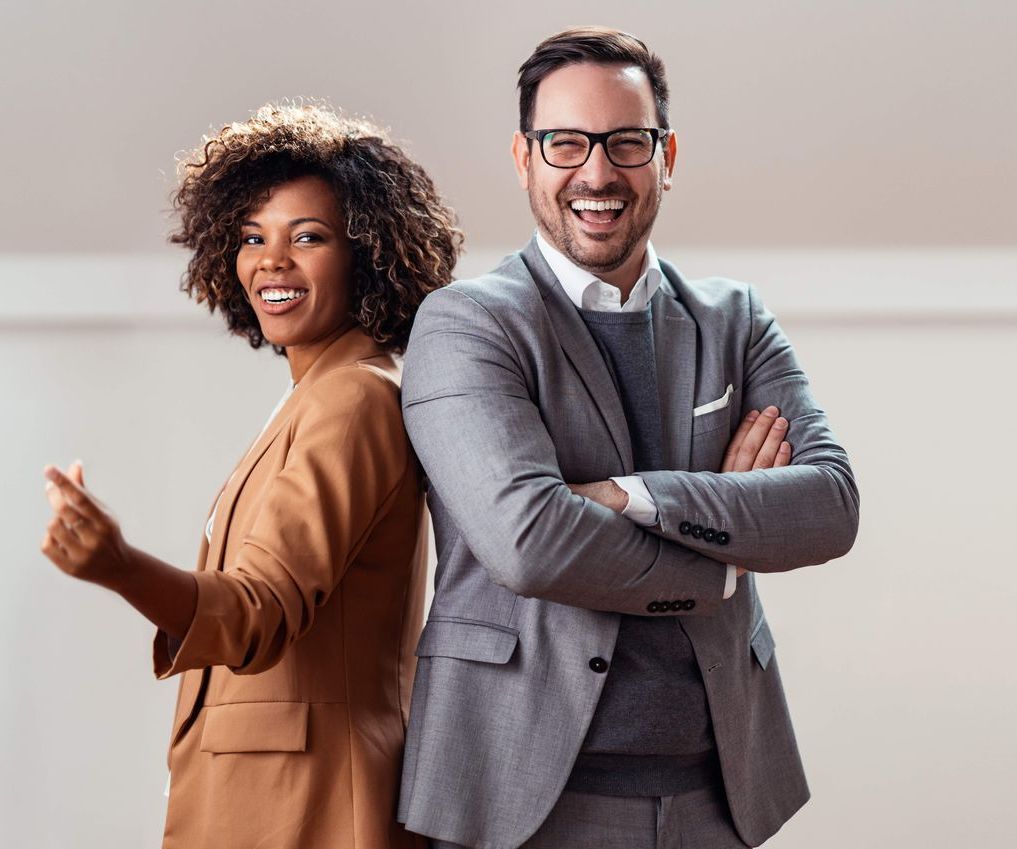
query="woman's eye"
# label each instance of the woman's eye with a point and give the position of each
(252, 239)
(308, 237)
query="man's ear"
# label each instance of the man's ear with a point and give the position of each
(521, 158)
(670, 158)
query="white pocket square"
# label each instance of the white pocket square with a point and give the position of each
(719, 404)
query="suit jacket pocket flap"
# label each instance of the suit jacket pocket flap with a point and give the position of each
(467, 640)
(255, 727)
(762, 643)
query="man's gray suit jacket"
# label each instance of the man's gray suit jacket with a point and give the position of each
(506, 399)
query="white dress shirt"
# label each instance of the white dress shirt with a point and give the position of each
(589, 292)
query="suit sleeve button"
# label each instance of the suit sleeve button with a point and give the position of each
(677, 604)
(709, 535)
(689, 605)
(723, 538)
(653, 607)
(697, 531)
(664, 606)
(684, 528)
(598, 665)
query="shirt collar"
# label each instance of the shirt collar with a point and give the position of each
(587, 291)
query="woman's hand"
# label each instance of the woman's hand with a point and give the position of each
(83, 539)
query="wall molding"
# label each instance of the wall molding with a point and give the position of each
(826, 286)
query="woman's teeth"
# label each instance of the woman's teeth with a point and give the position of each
(279, 296)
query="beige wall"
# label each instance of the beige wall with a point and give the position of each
(800, 122)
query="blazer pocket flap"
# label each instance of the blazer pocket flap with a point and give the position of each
(255, 727)
(762, 643)
(465, 640)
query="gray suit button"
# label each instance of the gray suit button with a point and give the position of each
(664, 606)
(684, 528)
(599, 665)
(723, 538)
(688, 605)
(652, 607)
(709, 535)
(697, 531)
(677, 604)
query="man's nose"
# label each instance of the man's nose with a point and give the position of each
(598, 169)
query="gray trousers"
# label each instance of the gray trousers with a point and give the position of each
(696, 820)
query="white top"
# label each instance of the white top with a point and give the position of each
(285, 397)
(589, 292)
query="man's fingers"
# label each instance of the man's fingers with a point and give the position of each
(76, 472)
(734, 446)
(771, 445)
(783, 455)
(754, 439)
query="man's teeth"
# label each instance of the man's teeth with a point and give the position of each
(597, 205)
(278, 296)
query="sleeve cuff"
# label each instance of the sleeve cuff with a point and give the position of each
(731, 582)
(641, 508)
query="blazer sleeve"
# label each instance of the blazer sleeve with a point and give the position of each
(775, 519)
(346, 460)
(491, 461)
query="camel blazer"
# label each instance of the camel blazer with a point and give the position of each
(296, 670)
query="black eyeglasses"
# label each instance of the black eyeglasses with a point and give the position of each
(625, 148)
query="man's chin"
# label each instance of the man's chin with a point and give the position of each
(598, 251)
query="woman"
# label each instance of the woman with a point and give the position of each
(313, 233)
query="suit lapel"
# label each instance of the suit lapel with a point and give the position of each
(675, 346)
(581, 351)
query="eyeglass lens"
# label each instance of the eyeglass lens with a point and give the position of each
(627, 148)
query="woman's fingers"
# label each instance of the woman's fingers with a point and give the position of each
(74, 495)
(734, 446)
(767, 454)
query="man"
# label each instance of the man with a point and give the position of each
(609, 450)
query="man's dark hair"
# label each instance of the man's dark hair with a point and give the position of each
(600, 45)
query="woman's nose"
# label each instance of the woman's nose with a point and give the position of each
(273, 258)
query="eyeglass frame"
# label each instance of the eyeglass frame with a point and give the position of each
(659, 134)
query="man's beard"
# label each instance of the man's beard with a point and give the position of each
(553, 219)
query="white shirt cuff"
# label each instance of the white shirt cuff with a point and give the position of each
(731, 582)
(641, 508)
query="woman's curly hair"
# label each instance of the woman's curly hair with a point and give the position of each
(404, 238)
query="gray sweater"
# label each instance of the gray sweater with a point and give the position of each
(650, 734)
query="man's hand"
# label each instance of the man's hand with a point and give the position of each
(758, 443)
(606, 493)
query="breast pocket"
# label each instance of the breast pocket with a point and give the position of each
(713, 424)
(468, 639)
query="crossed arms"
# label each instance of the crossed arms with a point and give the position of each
(491, 461)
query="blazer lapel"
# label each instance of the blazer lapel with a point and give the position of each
(352, 346)
(675, 346)
(581, 351)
